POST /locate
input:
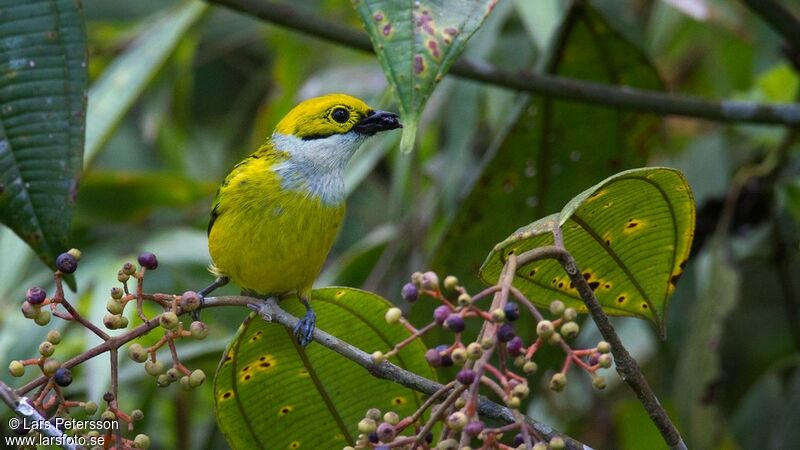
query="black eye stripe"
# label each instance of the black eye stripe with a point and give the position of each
(340, 115)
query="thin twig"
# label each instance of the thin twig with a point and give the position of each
(623, 97)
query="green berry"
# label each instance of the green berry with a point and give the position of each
(169, 320)
(520, 361)
(378, 357)
(154, 368)
(367, 425)
(173, 374)
(450, 283)
(90, 408)
(16, 369)
(416, 278)
(474, 351)
(498, 315)
(603, 347)
(545, 329)
(598, 382)
(604, 360)
(447, 444)
(122, 276)
(554, 339)
(391, 417)
(557, 307)
(46, 348)
(117, 293)
(50, 366)
(75, 253)
(529, 367)
(487, 343)
(393, 315)
(464, 299)
(558, 382)
(570, 330)
(459, 356)
(42, 318)
(197, 378)
(521, 390)
(114, 306)
(141, 441)
(457, 421)
(163, 380)
(540, 446)
(137, 353)
(185, 384)
(122, 322)
(108, 415)
(137, 414)
(128, 268)
(374, 414)
(110, 321)
(198, 329)
(569, 314)
(54, 337)
(30, 311)
(557, 443)
(513, 402)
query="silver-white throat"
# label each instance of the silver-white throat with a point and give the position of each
(316, 166)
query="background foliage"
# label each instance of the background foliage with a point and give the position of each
(180, 91)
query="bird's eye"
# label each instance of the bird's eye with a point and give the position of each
(340, 115)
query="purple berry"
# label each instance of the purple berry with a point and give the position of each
(66, 263)
(429, 437)
(594, 358)
(433, 357)
(410, 293)
(63, 377)
(473, 429)
(454, 323)
(386, 432)
(447, 361)
(518, 440)
(373, 437)
(35, 295)
(466, 376)
(505, 333)
(440, 314)
(512, 311)
(514, 346)
(148, 261)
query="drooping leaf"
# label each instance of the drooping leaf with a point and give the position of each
(272, 394)
(112, 95)
(416, 42)
(42, 112)
(630, 235)
(554, 146)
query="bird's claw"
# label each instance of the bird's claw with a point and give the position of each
(304, 330)
(262, 311)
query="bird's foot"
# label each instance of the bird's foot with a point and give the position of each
(263, 309)
(304, 330)
(219, 282)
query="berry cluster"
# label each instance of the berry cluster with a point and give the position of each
(499, 360)
(50, 400)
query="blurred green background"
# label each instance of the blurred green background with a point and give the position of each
(186, 90)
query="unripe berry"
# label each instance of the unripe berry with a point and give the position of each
(173, 374)
(46, 348)
(569, 314)
(148, 260)
(185, 384)
(441, 313)
(90, 408)
(605, 360)
(520, 361)
(447, 444)
(430, 281)
(378, 357)
(433, 357)
(50, 366)
(505, 333)
(163, 380)
(169, 320)
(540, 446)
(137, 353)
(29, 311)
(137, 414)
(75, 253)
(367, 425)
(464, 299)
(63, 377)
(603, 347)
(598, 382)
(570, 329)
(512, 311)
(154, 368)
(16, 369)
(35, 295)
(466, 376)
(190, 301)
(117, 293)
(513, 402)
(199, 330)
(450, 283)
(416, 278)
(474, 351)
(374, 414)
(66, 263)
(557, 307)
(473, 429)
(487, 343)
(558, 382)
(141, 441)
(409, 293)
(459, 356)
(393, 315)
(554, 339)
(557, 443)
(386, 432)
(122, 276)
(391, 417)
(54, 337)
(521, 390)
(454, 323)
(529, 367)
(197, 377)
(110, 321)
(514, 346)
(545, 329)
(128, 268)
(108, 415)
(498, 315)
(457, 421)
(122, 322)
(114, 306)
(42, 317)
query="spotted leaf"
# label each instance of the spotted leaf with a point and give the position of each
(630, 235)
(42, 117)
(271, 394)
(416, 42)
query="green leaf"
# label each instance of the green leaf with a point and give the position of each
(630, 235)
(119, 86)
(270, 393)
(416, 42)
(42, 112)
(552, 146)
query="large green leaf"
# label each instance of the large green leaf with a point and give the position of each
(112, 95)
(42, 112)
(630, 235)
(272, 394)
(416, 42)
(554, 146)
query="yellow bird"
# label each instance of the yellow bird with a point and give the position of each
(277, 213)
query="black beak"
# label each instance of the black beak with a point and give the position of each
(376, 121)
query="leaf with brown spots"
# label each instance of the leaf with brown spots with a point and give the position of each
(416, 42)
(42, 117)
(630, 235)
(271, 394)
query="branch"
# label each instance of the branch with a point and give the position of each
(623, 97)
(626, 365)
(28, 413)
(779, 18)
